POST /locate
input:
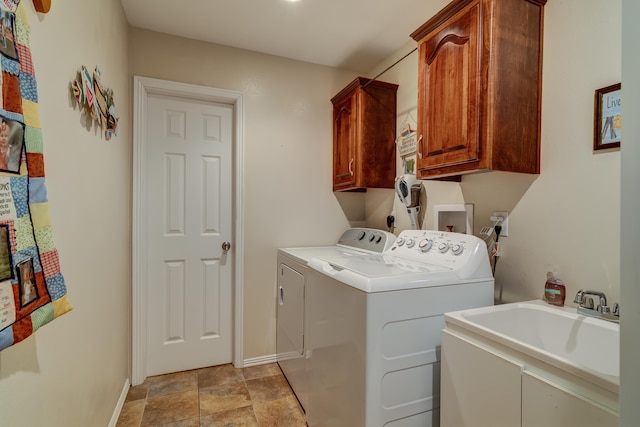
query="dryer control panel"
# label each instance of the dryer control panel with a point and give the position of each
(367, 239)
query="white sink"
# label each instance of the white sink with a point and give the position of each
(585, 346)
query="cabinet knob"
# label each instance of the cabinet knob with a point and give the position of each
(420, 147)
(350, 166)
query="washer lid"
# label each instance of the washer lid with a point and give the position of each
(380, 273)
(370, 265)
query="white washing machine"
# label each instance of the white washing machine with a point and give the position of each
(291, 325)
(375, 322)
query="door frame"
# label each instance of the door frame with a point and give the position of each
(143, 87)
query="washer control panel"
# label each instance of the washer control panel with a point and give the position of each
(436, 247)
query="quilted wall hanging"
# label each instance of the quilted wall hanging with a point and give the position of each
(32, 289)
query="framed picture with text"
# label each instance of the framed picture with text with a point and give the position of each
(607, 129)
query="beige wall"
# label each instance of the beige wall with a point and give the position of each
(567, 218)
(71, 372)
(287, 164)
(73, 369)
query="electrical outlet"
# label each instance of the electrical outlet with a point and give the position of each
(391, 221)
(505, 221)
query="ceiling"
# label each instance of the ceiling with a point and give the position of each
(351, 34)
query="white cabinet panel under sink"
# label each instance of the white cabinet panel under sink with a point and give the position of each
(529, 364)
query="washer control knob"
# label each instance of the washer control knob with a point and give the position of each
(361, 235)
(443, 247)
(425, 245)
(410, 243)
(457, 249)
(400, 241)
(379, 239)
(372, 238)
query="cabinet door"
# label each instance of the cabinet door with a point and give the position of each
(449, 91)
(478, 387)
(345, 115)
(545, 404)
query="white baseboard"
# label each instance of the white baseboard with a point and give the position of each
(120, 404)
(262, 360)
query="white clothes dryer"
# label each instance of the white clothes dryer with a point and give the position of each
(373, 350)
(291, 334)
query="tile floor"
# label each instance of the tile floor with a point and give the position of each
(258, 396)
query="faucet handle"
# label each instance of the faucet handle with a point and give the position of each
(605, 309)
(616, 309)
(614, 315)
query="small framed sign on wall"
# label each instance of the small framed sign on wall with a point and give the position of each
(607, 129)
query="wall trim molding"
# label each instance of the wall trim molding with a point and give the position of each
(120, 404)
(262, 360)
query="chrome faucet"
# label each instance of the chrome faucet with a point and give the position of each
(586, 306)
(588, 302)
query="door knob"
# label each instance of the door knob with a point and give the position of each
(226, 246)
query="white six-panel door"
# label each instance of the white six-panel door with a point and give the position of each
(189, 208)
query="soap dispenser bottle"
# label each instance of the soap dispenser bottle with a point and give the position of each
(554, 290)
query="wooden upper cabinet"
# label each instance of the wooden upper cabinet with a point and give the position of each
(479, 88)
(364, 131)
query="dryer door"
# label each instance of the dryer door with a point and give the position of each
(290, 320)
(290, 330)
